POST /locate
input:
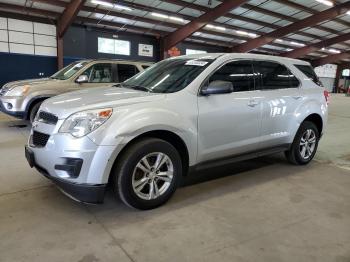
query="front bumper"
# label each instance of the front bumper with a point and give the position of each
(13, 106)
(78, 166)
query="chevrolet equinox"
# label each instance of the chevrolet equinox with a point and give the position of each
(184, 113)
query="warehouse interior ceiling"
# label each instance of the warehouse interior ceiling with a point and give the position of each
(316, 30)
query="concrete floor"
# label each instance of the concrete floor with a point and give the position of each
(260, 210)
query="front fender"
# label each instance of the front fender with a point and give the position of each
(128, 125)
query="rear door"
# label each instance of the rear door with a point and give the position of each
(126, 71)
(279, 97)
(228, 124)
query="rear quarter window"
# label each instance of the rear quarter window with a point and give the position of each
(309, 72)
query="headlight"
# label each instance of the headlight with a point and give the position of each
(83, 123)
(18, 91)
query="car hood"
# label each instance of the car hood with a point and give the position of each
(102, 97)
(29, 82)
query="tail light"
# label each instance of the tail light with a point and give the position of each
(326, 96)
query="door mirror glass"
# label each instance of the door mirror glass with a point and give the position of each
(82, 79)
(217, 87)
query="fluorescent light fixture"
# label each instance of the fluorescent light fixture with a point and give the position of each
(326, 2)
(289, 49)
(121, 7)
(279, 40)
(98, 2)
(348, 12)
(160, 15)
(335, 51)
(246, 33)
(296, 43)
(221, 28)
(111, 5)
(197, 34)
(178, 19)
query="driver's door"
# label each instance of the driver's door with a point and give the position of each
(228, 124)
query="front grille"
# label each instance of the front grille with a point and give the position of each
(47, 118)
(39, 139)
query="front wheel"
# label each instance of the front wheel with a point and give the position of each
(147, 173)
(305, 144)
(33, 111)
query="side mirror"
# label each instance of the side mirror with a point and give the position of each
(217, 87)
(82, 79)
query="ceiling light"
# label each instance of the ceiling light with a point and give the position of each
(296, 43)
(197, 34)
(246, 33)
(348, 12)
(279, 40)
(160, 15)
(110, 5)
(98, 2)
(335, 51)
(179, 19)
(121, 7)
(326, 2)
(215, 27)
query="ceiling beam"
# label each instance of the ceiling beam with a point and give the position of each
(198, 23)
(294, 27)
(330, 59)
(69, 14)
(29, 10)
(317, 46)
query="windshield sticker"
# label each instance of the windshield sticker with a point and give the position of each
(196, 63)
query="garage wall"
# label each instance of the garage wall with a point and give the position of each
(82, 42)
(27, 49)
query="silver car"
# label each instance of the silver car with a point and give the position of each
(22, 99)
(181, 114)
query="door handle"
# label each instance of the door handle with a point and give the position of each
(297, 97)
(253, 103)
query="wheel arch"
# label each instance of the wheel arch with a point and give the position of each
(32, 103)
(166, 135)
(317, 120)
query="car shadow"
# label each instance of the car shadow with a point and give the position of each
(207, 184)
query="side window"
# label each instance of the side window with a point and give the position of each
(310, 73)
(274, 76)
(239, 73)
(126, 71)
(99, 73)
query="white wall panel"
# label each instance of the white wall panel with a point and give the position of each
(43, 50)
(19, 37)
(44, 40)
(44, 29)
(22, 49)
(19, 25)
(4, 47)
(4, 36)
(3, 23)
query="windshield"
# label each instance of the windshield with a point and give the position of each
(68, 71)
(168, 76)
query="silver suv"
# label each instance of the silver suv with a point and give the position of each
(181, 114)
(22, 99)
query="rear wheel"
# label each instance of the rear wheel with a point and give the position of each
(305, 144)
(147, 173)
(33, 111)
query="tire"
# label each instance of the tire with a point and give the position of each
(136, 182)
(33, 111)
(296, 154)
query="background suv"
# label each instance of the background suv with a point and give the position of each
(22, 99)
(189, 112)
